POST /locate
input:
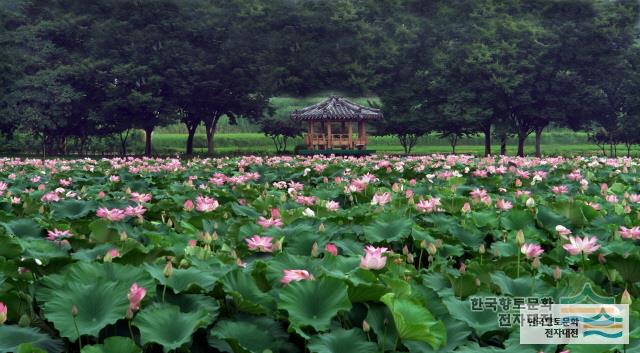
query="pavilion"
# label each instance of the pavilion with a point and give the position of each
(330, 126)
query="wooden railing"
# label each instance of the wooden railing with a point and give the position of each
(335, 141)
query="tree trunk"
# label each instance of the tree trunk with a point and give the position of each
(503, 144)
(191, 131)
(539, 141)
(487, 141)
(147, 141)
(210, 144)
(521, 139)
(123, 142)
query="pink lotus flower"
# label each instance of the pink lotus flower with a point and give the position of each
(140, 198)
(192, 243)
(531, 250)
(137, 211)
(135, 296)
(3, 313)
(15, 200)
(612, 198)
(478, 194)
(466, 208)
(504, 205)
(331, 249)
(332, 205)
(373, 259)
(635, 198)
(585, 245)
(261, 244)
(633, 233)
(271, 222)
(275, 213)
(381, 199)
(306, 200)
(56, 235)
(113, 215)
(560, 189)
(429, 205)
(110, 255)
(593, 205)
(295, 275)
(188, 206)
(206, 204)
(50, 197)
(563, 231)
(114, 178)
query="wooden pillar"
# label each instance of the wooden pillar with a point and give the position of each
(310, 135)
(362, 134)
(329, 140)
(350, 135)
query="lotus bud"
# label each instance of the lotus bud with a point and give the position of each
(626, 298)
(410, 258)
(430, 258)
(520, 237)
(557, 273)
(41, 209)
(482, 249)
(184, 263)
(518, 183)
(225, 215)
(74, 310)
(283, 198)
(169, 222)
(466, 208)
(602, 259)
(463, 267)
(365, 326)
(25, 321)
(215, 236)
(536, 262)
(3, 313)
(398, 261)
(314, 249)
(168, 269)
(438, 243)
(531, 203)
(188, 206)
(431, 249)
(423, 244)
(405, 250)
(478, 283)
(207, 239)
(123, 235)
(321, 228)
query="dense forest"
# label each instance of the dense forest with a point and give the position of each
(73, 70)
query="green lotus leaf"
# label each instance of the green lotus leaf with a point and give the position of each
(72, 209)
(183, 279)
(481, 321)
(342, 341)
(99, 304)
(166, 325)
(247, 296)
(23, 228)
(41, 249)
(389, 227)
(517, 219)
(11, 337)
(314, 302)
(516, 287)
(29, 348)
(193, 302)
(246, 211)
(114, 345)
(415, 322)
(255, 335)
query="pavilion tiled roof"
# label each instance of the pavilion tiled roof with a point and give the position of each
(336, 109)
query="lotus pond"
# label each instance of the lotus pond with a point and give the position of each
(327, 255)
